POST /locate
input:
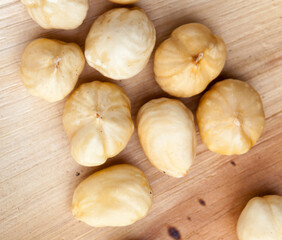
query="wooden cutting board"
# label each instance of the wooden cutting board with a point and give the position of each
(38, 175)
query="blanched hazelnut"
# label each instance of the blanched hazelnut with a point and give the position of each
(115, 196)
(261, 219)
(120, 42)
(167, 135)
(189, 60)
(98, 122)
(50, 68)
(62, 14)
(230, 117)
(124, 1)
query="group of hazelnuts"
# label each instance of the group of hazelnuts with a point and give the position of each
(97, 115)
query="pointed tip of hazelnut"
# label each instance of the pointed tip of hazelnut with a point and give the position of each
(197, 59)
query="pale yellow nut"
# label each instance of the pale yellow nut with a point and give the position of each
(167, 135)
(124, 1)
(98, 122)
(261, 219)
(115, 196)
(59, 14)
(50, 68)
(120, 42)
(189, 60)
(230, 117)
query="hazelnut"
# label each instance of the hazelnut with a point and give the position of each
(62, 14)
(98, 122)
(120, 42)
(115, 196)
(50, 68)
(230, 117)
(167, 135)
(189, 60)
(261, 219)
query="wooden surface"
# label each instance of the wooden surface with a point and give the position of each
(38, 174)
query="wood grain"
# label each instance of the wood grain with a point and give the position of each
(38, 174)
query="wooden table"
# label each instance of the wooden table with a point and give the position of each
(38, 175)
